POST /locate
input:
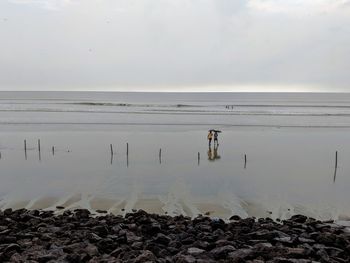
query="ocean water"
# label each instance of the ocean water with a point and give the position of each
(289, 141)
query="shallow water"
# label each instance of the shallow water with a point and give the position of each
(290, 161)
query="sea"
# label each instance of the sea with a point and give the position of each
(278, 154)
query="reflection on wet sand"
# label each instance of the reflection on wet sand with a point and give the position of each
(213, 154)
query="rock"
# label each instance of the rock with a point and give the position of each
(298, 218)
(235, 218)
(46, 258)
(102, 231)
(240, 255)
(12, 247)
(91, 250)
(146, 256)
(82, 213)
(137, 245)
(222, 252)
(162, 239)
(306, 240)
(94, 237)
(185, 259)
(7, 212)
(323, 255)
(131, 238)
(326, 238)
(296, 252)
(195, 251)
(284, 240)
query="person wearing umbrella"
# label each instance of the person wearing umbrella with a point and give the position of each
(210, 137)
(216, 135)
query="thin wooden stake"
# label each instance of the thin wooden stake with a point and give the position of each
(335, 167)
(53, 150)
(39, 149)
(127, 154)
(245, 161)
(25, 149)
(199, 158)
(160, 156)
(0, 155)
(336, 159)
(112, 150)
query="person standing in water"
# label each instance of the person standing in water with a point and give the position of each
(216, 142)
(210, 137)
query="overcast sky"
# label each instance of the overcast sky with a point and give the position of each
(184, 45)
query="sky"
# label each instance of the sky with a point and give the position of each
(175, 45)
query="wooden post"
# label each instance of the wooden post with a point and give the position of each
(335, 167)
(160, 156)
(336, 159)
(112, 150)
(53, 150)
(39, 149)
(25, 149)
(245, 161)
(127, 154)
(199, 158)
(0, 155)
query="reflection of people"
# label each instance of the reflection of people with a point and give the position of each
(210, 137)
(213, 155)
(216, 138)
(210, 154)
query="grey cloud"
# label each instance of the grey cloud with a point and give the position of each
(170, 43)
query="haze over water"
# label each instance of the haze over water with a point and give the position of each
(290, 142)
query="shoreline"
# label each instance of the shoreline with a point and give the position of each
(156, 205)
(77, 236)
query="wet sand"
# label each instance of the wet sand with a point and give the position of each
(289, 140)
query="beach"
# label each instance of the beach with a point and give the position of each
(289, 141)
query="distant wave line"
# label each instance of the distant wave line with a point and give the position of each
(184, 112)
(126, 104)
(176, 124)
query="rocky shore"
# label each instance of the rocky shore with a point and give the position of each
(78, 236)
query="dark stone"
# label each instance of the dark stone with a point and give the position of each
(82, 213)
(240, 255)
(46, 258)
(162, 239)
(222, 252)
(235, 218)
(12, 247)
(185, 259)
(101, 211)
(195, 251)
(298, 218)
(137, 245)
(100, 230)
(7, 211)
(91, 250)
(145, 256)
(323, 256)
